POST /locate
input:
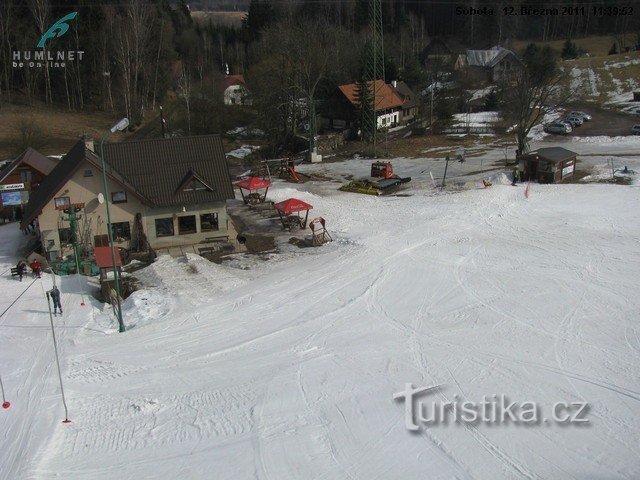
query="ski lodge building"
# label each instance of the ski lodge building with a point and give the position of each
(172, 192)
(548, 165)
(20, 178)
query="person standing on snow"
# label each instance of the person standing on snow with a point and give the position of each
(54, 293)
(516, 175)
(20, 268)
(36, 268)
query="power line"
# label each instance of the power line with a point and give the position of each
(17, 298)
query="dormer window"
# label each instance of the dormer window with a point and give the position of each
(193, 185)
(193, 182)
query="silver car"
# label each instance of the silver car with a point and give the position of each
(557, 127)
(585, 116)
(575, 120)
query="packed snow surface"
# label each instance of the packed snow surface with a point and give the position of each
(243, 151)
(288, 370)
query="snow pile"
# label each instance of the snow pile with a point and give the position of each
(603, 140)
(481, 93)
(478, 119)
(243, 151)
(192, 276)
(245, 132)
(603, 172)
(146, 306)
(627, 63)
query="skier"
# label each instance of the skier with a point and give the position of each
(36, 268)
(20, 268)
(516, 175)
(55, 296)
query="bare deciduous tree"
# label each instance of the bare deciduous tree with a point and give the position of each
(184, 92)
(41, 11)
(536, 91)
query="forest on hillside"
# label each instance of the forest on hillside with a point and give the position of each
(138, 54)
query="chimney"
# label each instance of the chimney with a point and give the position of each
(394, 83)
(88, 142)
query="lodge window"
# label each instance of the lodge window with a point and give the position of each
(65, 235)
(62, 202)
(118, 197)
(25, 175)
(88, 173)
(121, 231)
(164, 227)
(208, 222)
(187, 225)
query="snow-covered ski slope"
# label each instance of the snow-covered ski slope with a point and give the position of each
(288, 370)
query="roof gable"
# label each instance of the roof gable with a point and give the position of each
(231, 80)
(62, 173)
(33, 159)
(489, 58)
(193, 182)
(386, 96)
(53, 182)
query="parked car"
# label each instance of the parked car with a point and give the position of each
(557, 127)
(574, 120)
(635, 129)
(566, 122)
(585, 116)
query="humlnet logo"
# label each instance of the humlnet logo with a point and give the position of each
(58, 29)
(49, 58)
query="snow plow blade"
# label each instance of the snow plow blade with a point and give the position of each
(358, 186)
(373, 186)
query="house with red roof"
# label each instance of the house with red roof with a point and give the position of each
(341, 111)
(236, 91)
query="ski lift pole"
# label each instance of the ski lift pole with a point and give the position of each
(5, 404)
(445, 171)
(55, 349)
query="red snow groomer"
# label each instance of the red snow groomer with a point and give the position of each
(382, 181)
(385, 170)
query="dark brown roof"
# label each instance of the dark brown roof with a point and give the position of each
(553, 154)
(406, 94)
(32, 158)
(154, 170)
(157, 168)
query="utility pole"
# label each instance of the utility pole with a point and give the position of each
(120, 126)
(374, 66)
(431, 114)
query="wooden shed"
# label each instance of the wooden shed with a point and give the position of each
(548, 165)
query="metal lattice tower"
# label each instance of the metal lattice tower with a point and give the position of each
(374, 64)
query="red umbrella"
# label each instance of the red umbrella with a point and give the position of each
(292, 205)
(289, 206)
(253, 183)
